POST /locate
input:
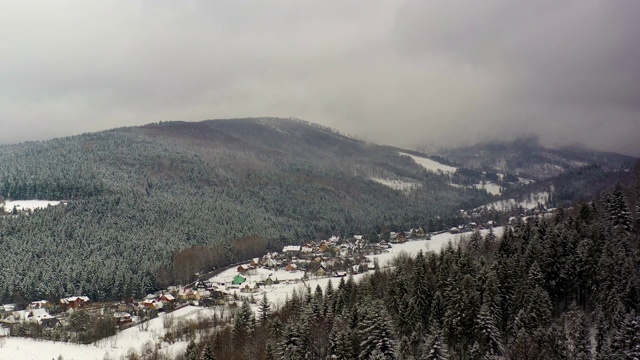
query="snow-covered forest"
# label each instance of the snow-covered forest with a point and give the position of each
(560, 287)
(140, 200)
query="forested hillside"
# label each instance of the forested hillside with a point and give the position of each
(142, 200)
(565, 286)
(527, 158)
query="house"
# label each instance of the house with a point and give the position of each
(324, 247)
(188, 294)
(400, 237)
(40, 304)
(250, 288)
(122, 318)
(291, 267)
(74, 302)
(270, 263)
(40, 316)
(7, 307)
(204, 293)
(238, 279)
(321, 270)
(167, 298)
(152, 304)
(291, 249)
(243, 269)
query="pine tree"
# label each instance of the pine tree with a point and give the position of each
(191, 353)
(434, 348)
(243, 323)
(578, 334)
(489, 241)
(420, 297)
(474, 242)
(207, 353)
(487, 332)
(292, 347)
(626, 342)
(376, 331)
(618, 209)
(264, 309)
(329, 300)
(340, 347)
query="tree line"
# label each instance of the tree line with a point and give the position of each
(565, 286)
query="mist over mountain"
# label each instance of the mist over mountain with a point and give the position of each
(528, 158)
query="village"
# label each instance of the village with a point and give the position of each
(274, 274)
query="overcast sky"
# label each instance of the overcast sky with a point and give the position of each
(407, 73)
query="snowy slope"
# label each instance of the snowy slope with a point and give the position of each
(115, 346)
(430, 165)
(491, 188)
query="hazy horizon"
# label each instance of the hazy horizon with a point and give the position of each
(408, 73)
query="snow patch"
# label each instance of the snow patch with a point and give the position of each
(530, 202)
(28, 205)
(430, 165)
(491, 188)
(396, 184)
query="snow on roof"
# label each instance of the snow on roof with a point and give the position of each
(71, 299)
(40, 314)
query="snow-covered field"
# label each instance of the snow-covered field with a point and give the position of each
(396, 184)
(491, 188)
(113, 347)
(28, 205)
(135, 337)
(431, 165)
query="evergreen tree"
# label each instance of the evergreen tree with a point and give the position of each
(191, 352)
(488, 335)
(264, 309)
(292, 347)
(420, 297)
(434, 348)
(340, 347)
(618, 209)
(376, 331)
(243, 323)
(207, 353)
(626, 342)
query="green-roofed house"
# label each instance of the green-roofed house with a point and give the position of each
(239, 279)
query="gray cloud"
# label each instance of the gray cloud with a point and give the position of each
(409, 73)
